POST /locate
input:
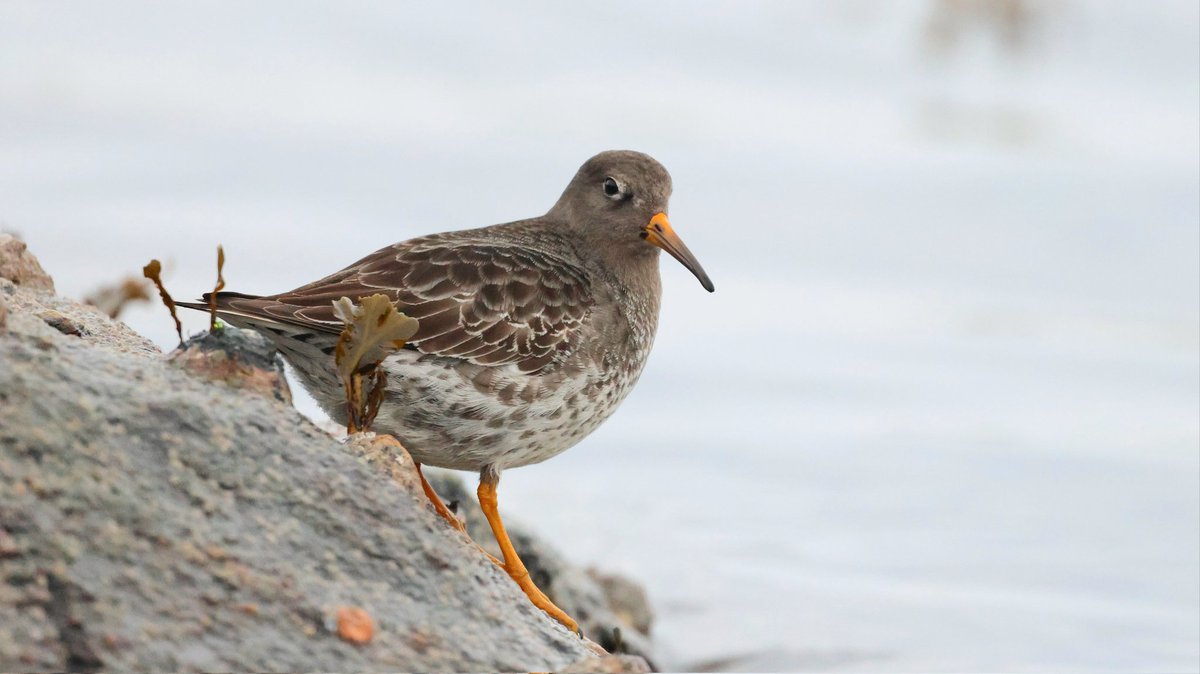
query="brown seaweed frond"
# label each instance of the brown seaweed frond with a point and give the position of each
(153, 271)
(113, 299)
(212, 297)
(374, 329)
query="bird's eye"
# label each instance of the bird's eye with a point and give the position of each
(612, 188)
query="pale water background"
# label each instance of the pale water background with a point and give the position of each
(943, 411)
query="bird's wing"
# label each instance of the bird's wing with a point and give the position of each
(482, 302)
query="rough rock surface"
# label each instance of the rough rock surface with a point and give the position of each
(152, 519)
(608, 664)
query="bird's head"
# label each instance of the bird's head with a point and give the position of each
(619, 198)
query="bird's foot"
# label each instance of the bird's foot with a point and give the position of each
(538, 598)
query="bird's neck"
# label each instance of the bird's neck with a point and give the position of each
(642, 276)
(636, 281)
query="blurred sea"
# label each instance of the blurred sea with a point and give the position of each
(943, 411)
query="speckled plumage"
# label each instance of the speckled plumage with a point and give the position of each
(531, 332)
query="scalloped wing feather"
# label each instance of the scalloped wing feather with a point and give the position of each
(488, 304)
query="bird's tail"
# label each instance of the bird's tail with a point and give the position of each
(222, 301)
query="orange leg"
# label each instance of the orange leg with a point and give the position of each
(512, 563)
(444, 511)
(437, 502)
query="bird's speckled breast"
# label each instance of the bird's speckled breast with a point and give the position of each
(453, 414)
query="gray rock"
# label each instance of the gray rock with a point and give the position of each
(241, 359)
(608, 664)
(627, 599)
(154, 520)
(20, 266)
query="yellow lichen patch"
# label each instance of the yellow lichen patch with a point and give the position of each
(355, 625)
(374, 329)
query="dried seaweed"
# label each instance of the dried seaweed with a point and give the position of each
(212, 297)
(374, 329)
(113, 299)
(153, 271)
